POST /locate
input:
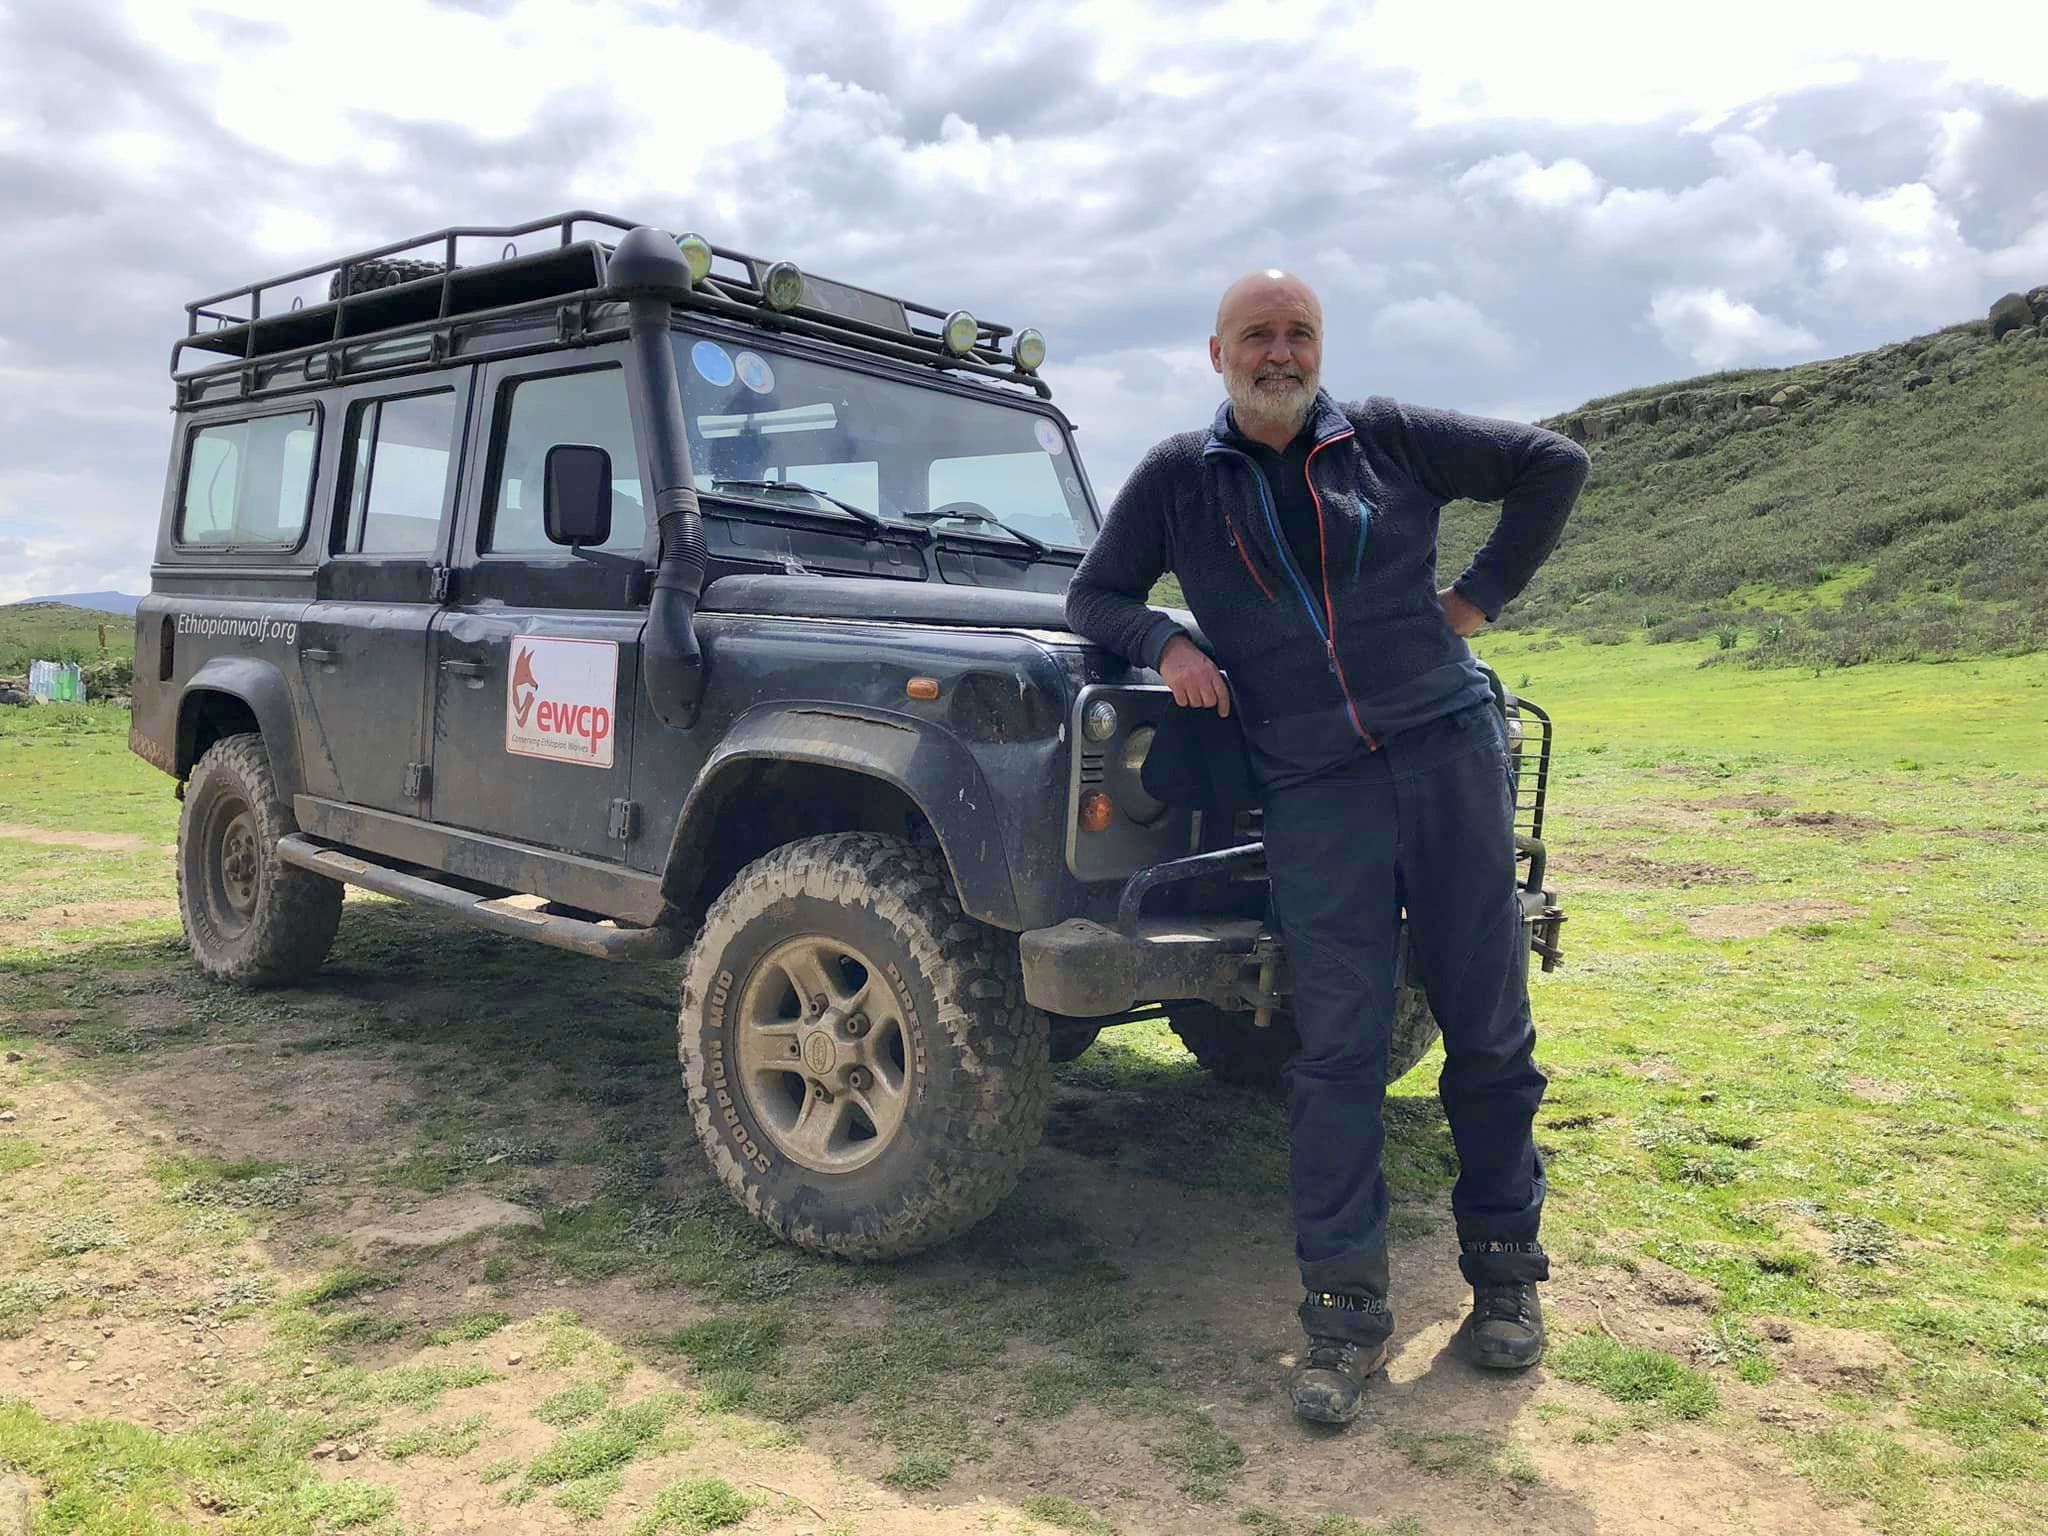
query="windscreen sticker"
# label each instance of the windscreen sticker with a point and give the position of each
(712, 362)
(1048, 437)
(560, 700)
(755, 373)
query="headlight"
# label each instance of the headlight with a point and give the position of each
(1100, 722)
(783, 286)
(696, 253)
(962, 331)
(1129, 778)
(1514, 733)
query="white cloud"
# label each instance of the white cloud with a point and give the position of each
(1716, 331)
(1523, 179)
(1443, 323)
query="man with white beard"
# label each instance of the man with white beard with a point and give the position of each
(1303, 533)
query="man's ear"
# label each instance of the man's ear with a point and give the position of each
(1216, 354)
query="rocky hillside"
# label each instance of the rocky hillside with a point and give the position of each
(1885, 506)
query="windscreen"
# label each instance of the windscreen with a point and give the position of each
(884, 446)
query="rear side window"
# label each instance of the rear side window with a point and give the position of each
(398, 454)
(250, 482)
(537, 413)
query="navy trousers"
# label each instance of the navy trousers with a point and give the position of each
(1425, 823)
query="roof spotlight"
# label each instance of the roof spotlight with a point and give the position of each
(1029, 350)
(962, 331)
(696, 254)
(783, 286)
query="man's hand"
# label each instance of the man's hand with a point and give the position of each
(1193, 677)
(1463, 616)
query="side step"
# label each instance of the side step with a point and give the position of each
(598, 939)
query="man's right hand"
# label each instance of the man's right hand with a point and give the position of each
(1193, 677)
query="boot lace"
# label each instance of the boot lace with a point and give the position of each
(1332, 1355)
(1507, 1302)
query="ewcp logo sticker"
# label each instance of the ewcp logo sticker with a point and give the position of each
(559, 699)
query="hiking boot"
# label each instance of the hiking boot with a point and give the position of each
(1328, 1386)
(1504, 1331)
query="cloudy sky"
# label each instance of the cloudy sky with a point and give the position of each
(1507, 208)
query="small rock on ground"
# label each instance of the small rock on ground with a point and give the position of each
(13, 1508)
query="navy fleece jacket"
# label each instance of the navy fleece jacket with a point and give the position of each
(1366, 648)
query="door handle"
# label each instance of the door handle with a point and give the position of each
(464, 668)
(320, 657)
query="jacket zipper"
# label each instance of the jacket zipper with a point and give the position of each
(1329, 608)
(1237, 543)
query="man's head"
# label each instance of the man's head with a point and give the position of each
(1269, 348)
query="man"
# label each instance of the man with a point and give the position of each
(1304, 535)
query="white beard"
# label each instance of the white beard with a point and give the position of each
(1262, 407)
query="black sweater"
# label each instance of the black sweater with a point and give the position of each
(1368, 644)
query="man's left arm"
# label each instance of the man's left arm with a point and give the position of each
(1533, 473)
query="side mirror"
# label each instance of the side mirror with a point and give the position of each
(577, 502)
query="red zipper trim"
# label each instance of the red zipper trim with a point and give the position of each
(1329, 609)
(1237, 543)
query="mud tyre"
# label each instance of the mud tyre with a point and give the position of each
(862, 1069)
(1236, 1051)
(251, 919)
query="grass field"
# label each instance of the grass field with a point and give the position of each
(1799, 1202)
(58, 632)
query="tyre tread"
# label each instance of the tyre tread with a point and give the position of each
(1001, 1041)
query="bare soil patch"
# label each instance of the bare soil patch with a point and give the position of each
(1750, 802)
(1594, 867)
(1754, 919)
(91, 842)
(48, 923)
(1841, 823)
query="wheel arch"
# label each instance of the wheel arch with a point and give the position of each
(231, 695)
(812, 770)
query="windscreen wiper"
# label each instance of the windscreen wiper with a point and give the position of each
(867, 519)
(1037, 547)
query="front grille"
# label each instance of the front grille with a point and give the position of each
(1091, 768)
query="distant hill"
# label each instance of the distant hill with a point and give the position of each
(105, 602)
(45, 631)
(1892, 505)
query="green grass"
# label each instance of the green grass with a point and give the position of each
(1881, 525)
(248, 1466)
(572, 1405)
(1835, 1121)
(1063, 1513)
(916, 1471)
(693, 1506)
(59, 632)
(1631, 1375)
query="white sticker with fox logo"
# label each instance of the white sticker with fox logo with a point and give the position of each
(560, 698)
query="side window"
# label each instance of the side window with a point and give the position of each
(249, 482)
(534, 415)
(397, 455)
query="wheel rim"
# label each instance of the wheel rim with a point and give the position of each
(233, 847)
(822, 1054)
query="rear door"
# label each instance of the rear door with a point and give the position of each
(537, 660)
(363, 641)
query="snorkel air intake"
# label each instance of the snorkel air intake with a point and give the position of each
(649, 274)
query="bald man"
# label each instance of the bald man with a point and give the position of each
(1303, 532)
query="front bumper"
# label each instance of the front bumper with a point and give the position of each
(1086, 969)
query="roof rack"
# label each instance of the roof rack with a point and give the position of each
(332, 336)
